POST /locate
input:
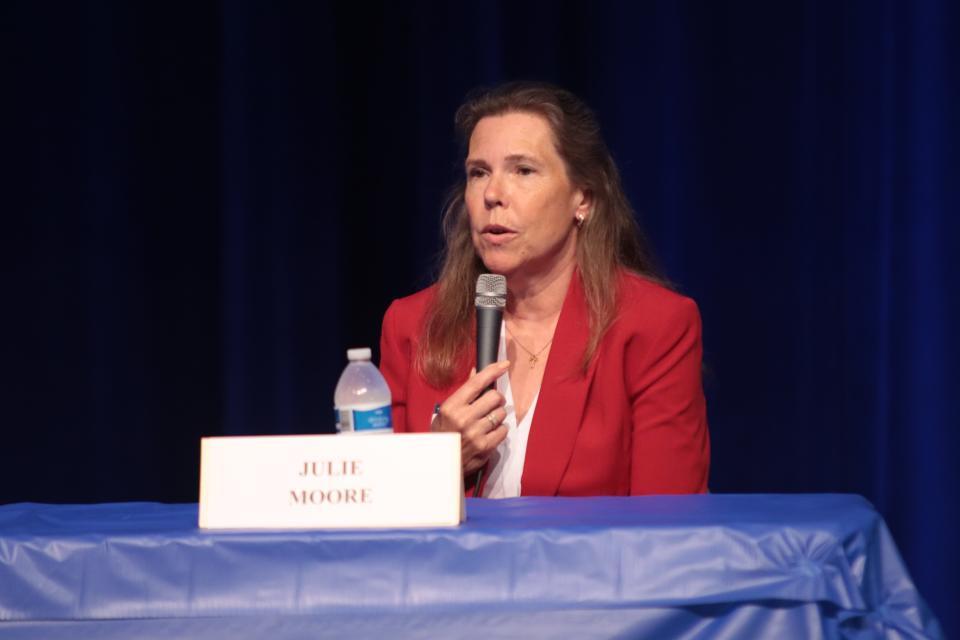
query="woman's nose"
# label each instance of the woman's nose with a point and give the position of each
(493, 193)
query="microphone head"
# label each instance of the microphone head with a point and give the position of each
(491, 291)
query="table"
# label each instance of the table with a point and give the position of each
(784, 566)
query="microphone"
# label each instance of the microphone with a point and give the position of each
(491, 299)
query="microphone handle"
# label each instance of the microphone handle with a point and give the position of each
(488, 347)
(488, 336)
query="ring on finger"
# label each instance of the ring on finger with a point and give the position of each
(492, 420)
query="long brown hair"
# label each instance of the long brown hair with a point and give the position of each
(610, 238)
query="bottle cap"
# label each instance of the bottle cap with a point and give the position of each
(359, 354)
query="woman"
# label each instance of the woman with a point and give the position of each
(598, 384)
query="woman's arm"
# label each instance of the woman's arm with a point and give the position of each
(671, 445)
(471, 410)
(395, 362)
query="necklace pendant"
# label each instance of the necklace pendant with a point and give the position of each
(533, 361)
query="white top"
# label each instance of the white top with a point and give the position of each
(506, 463)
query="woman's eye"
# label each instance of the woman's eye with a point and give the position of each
(475, 173)
(525, 171)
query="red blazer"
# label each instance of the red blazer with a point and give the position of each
(634, 423)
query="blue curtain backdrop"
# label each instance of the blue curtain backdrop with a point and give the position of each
(205, 204)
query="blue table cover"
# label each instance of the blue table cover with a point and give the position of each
(732, 566)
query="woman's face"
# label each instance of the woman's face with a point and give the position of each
(521, 203)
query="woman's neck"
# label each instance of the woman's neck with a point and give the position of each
(539, 298)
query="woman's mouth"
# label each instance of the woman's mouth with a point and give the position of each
(497, 233)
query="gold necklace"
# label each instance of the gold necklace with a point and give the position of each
(534, 357)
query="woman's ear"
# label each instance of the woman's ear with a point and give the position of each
(584, 206)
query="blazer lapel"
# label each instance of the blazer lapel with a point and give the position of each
(563, 395)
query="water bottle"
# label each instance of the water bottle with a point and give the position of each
(362, 398)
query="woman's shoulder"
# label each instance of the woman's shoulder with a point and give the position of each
(644, 299)
(408, 312)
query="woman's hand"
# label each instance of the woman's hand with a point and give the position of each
(477, 415)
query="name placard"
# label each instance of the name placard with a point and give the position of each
(331, 481)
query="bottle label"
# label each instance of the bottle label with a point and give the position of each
(364, 421)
